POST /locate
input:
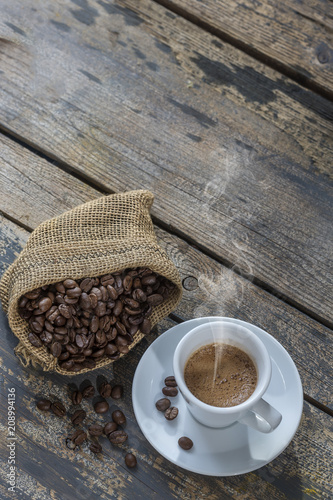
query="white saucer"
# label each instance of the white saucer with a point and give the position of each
(216, 452)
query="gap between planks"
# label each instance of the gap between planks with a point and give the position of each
(159, 223)
(247, 49)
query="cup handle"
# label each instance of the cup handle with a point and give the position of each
(262, 417)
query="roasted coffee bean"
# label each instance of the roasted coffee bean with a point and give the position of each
(78, 417)
(96, 448)
(58, 409)
(88, 392)
(105, 390)
(163, 404)
(55, 349)
(35, 340)
(46, 337)
(117, 437)
(171, 413)
(171, 392)
(145, 326)
(185, 443)
(76, 397)
(101, 407)
(170, 381)
(130, 460)
(118, 417)
(78, 437)
(44, 304)
(81, 321)
(155, 299)
(117, 391)
(110, 427)
(95, 430)
(44, 405)
(86, 285)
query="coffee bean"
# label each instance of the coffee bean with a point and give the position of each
(130, 460)
(95, 430)
(82, 321)
(185, 443)
(110, 427)
(78, 437)
(117, 437)
(170, 381)
(35, 340)
(78, 417)
(163, 404)
(171, 413)
(95, 448)
(117, 391)
(58, 409)
(76, 397)
(105, 390)
(44, 404)
(118, 417)
(101, 407)
(56, 349)
(171, 392)
(88, 392)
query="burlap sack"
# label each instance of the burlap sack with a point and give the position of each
(105, 235)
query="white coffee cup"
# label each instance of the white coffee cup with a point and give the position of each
(255, 411)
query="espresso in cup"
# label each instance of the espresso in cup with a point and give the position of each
(220, 374)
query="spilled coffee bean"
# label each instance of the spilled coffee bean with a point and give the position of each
(171, 392)
(130, 460)
(58, 409)
(101, 407)
(170, 381)
(44, 405)
(76, 397)
(95, 430)
(117, 392)
(118, 417)
(117, 437)
(105, 390)
(78, 417)
(96, 447)
(185, 443)
(171, 413)
(88, 392)
(163, 404)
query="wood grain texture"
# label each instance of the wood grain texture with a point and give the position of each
(209, 287)
(47, 469)
(130, 95)
(295, 37)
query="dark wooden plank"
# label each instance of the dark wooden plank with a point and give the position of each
(209, 287)
(46, 467)
(295, 37)
(238, 156)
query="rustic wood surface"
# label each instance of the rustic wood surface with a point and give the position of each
(238, 156)
(24, 177)
(295, 37)
(190, 100)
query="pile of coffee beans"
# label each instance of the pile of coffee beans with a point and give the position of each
(82, 321)
(113, 429)
(171, 412)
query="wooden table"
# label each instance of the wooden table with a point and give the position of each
(224, 111)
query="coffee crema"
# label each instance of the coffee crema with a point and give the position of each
(220, 375)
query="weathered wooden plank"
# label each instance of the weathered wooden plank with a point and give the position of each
(209, 287)
(295, 37)
(44, 462)
(238, 156)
